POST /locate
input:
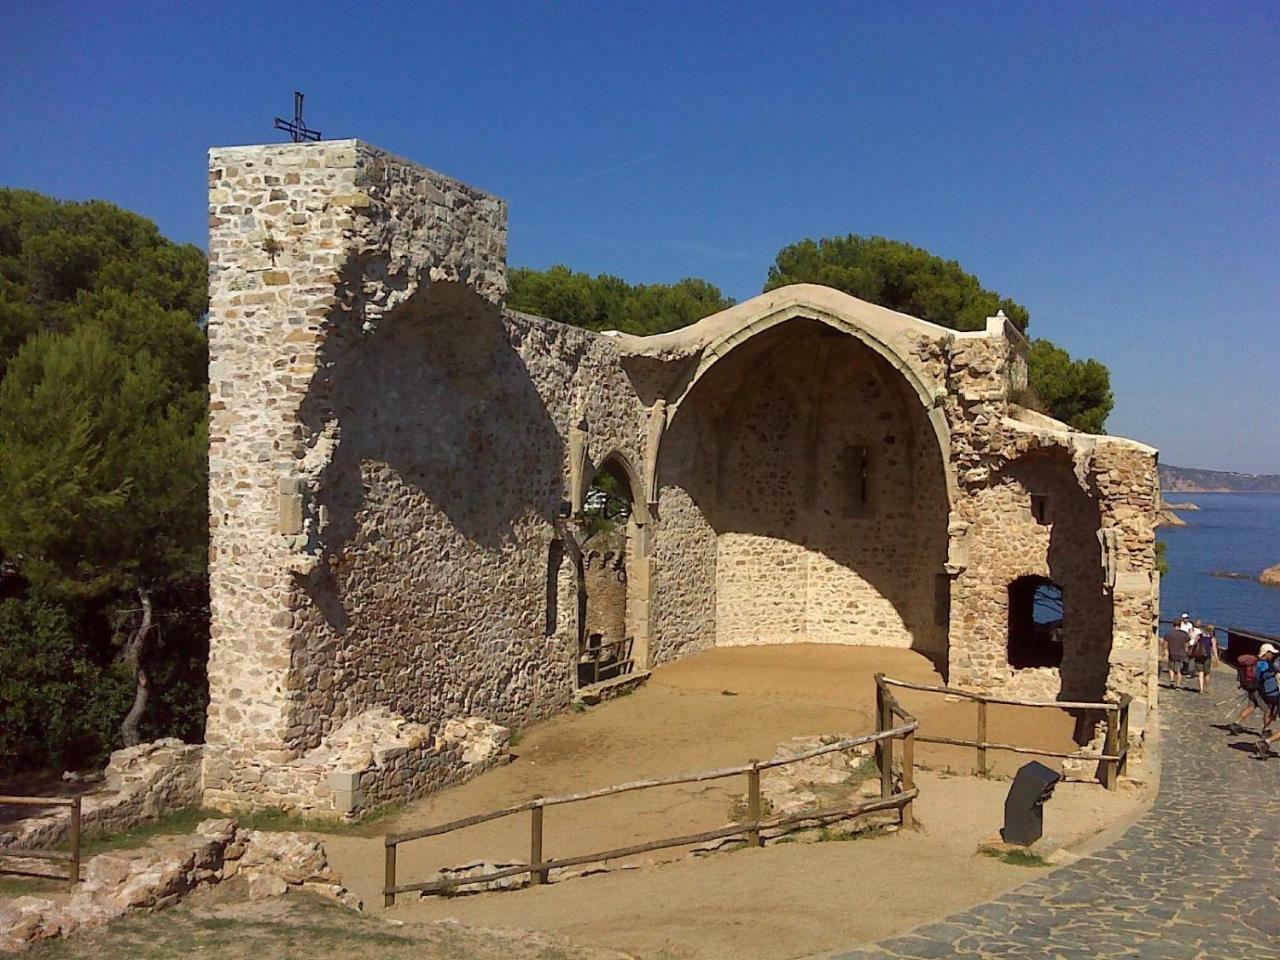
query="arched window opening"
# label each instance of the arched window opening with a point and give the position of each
(1035, 623)
(608, 548)
(857, 489)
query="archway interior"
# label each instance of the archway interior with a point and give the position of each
(813, 464)
(608, 556)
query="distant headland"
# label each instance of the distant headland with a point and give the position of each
(1192, 480)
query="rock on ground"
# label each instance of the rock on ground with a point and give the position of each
(118, 883)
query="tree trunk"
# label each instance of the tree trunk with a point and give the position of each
(132, 656)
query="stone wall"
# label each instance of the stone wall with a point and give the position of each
(396, 460)
(139, 784)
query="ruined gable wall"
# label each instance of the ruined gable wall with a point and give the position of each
(1100, 487)
(387, 458)
(1007, 542)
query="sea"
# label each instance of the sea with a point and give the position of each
(1230, 533)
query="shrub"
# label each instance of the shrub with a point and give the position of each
(57, 706)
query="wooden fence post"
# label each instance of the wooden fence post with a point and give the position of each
(74, 871)
(908, 777)
(389, 877)
(535, 843)
(982, 738)
(884, 748)
(1125, 699)
(753, 806)
(1110, 767)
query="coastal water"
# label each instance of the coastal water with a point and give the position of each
(1231, 532)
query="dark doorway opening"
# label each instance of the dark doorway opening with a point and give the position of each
(1036, 616)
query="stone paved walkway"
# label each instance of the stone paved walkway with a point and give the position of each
(1197, 878)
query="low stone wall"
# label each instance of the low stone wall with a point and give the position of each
(150, 879)
(139, 784)
(375, 758)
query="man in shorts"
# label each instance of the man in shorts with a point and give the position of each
(1176, 645)
(1269, 694)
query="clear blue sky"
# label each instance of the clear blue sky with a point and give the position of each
(1112, 166)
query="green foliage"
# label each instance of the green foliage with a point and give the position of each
(895, 275)
(103, 447)
(606, 504)
(54, 256)
(1077, 392)
(56, 703)
(911, 280)
(103, 464)
(1162, 558)
(605, 302)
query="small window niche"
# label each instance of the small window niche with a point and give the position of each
(1041, 509)
(942, 600)
(855, 470)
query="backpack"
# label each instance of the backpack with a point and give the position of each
(1201, 652)
(1247, 671)
(1268, 683)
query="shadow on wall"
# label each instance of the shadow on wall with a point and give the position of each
(1075, 565)
(812, 460)
(440, 427)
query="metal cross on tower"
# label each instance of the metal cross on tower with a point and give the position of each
(297, 129)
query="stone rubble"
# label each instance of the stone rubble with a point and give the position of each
(139, 784)
(117, 883)
(838, 776)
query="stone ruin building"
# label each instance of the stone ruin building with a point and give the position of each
(399, 464)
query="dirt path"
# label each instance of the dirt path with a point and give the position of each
(714, 709)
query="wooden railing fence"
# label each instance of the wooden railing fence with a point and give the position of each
(1113, 761)
(70, 857)
(539, 867)
(594, 654)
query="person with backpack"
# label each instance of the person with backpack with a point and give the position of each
(1269, 691)
(1246, 665)
(1201, 654)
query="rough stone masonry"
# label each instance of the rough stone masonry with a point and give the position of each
(398, 467)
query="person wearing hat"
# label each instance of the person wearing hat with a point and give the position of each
(1269, 691)
(1202, 652)
(1246, 665)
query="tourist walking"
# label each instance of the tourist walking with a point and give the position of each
(1246, 665)
(1269, 692)
(1176, 645)
(1203, 651)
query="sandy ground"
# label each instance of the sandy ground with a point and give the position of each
(717, 709)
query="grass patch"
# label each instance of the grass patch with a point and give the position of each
(578, 707)
(21, 886)
(516, 736)
(185, 821)
(1018, 858)
(828, 835)
(180, 821)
